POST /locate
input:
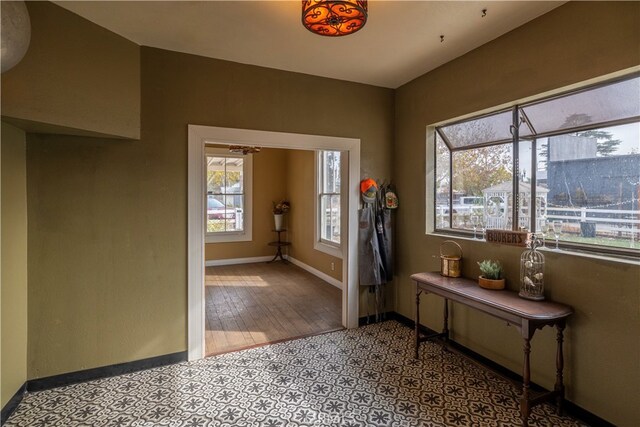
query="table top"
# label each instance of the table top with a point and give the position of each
(279, 243)
(503, 300)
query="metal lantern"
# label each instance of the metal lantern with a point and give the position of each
(532, 271)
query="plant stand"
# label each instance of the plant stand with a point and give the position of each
(279, 244)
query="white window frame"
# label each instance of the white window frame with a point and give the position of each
(593, 251)
(245, 235)
(320, 244)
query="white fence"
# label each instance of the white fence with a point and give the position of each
(608, 222)
(623, 224)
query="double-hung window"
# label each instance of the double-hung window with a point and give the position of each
(566, 167)
(328, 202)
(228, 198)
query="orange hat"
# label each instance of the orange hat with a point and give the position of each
(368, 188)
(366, 184)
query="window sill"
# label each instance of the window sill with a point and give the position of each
(622, 259)
(227, 237)
(335, 251)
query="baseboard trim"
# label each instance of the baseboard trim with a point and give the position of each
(234, 261)
(571, 408)
(12, 404)
(104, 371)
(315, 272)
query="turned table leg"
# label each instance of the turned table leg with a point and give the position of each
(445, 329)
(526, 379)
(417, 320)
(559, 386)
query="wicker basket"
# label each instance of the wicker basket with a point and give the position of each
(450, 265)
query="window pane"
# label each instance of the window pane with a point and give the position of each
(330, 218)
(233, 175)
(442, 184)
(602, 104)
(335, 219)
(215, 175)
(216, 213)
(524, 186)
(330, 171)
(593, 181)
(482, 184)
(234, 212)
(325, 217)
(491, 128)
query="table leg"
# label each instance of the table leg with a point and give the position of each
(445, 329)
(417, 320)
(526, 379)
(559, 386)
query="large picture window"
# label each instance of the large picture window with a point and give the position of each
(572, 161)
(228, 213)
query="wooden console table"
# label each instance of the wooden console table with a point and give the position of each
(279, 244)
(525, 315)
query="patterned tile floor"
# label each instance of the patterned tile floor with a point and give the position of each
(361, 377)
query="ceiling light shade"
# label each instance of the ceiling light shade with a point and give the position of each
(334, 18)
(15, 32)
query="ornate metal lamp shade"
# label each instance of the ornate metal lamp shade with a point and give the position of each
(334, 18)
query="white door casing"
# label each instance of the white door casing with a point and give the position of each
(198, 136)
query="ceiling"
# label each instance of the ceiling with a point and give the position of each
(400, 41)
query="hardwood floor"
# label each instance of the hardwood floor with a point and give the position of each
(251, 304)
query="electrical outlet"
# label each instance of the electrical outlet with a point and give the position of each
(333, 266)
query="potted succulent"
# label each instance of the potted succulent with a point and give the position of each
(491, 277)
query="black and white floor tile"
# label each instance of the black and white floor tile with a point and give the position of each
(360, 377)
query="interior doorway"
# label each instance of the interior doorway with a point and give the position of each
(199, 136)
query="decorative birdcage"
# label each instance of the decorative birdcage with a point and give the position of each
(532, 271)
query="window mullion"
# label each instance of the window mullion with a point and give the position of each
(450, 189)
(533, 202)
(515, 133)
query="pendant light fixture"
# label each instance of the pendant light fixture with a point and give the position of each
(334, 18)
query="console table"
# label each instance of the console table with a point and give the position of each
(527, 316)
(279, 244)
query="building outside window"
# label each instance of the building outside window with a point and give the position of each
(328, 190)
(573, 161)
(228, 216)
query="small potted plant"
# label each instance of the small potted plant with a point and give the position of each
(491, 277)
(279, 209)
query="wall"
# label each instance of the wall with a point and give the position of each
(269, 184)
(108, 218)
(301, 190)
(575, 42)
(14, 262)
(76, 78)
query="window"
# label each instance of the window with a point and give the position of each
(573, 162)
(228, 217)
(328, 203)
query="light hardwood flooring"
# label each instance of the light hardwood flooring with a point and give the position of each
(252, 304)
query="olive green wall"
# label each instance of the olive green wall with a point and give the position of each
(13, 371)
(575, 42)
(108, 218)
(76, 78)
(269, 184)
(301, 189)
